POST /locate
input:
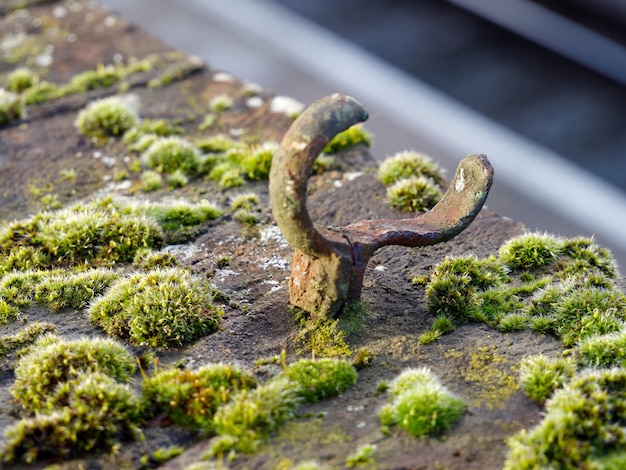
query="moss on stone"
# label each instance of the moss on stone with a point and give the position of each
(11, 107)
(24, 337)
(245, 422)
(74, 290)
(409, 164)
(420, 404)
(349, 138)
(96, 413)
(108, 117)
(190, 398)
(584, 421)
(540, 376)
(322, 378)
(414, 194)
(558, 286)
(161, 309)
(40, 373)
(170, 154)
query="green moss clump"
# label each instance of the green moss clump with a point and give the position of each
(441, 326)
(323, 338)
(246, 217)
(513, 322)
(18, 288)
(216, 144)
(561, 287)
(190, 398)
(139, 137)
(161, 309)
(420, 404)
(149, 260)
(8, 312)
(530, 251)
(74, 290)
(164, 454)
(39, 92)
(584, 421)
(208, 121)
(20, 79)
(248, 201)
(604, 350)
(586, 256)
(349, 138)
(175, 215)
(252, 415)
(409, 164)
(11, 107)
(177, 179)
(99, 233)
(238, 163)
(177, 71)
(169, 154)
(413, 194)
(455, 283)
(108, 117)
(143, 143)
(322, 378)
(363, 455)
(584, 312)
(220, 103)
(256, 163)
(151, 181)
(39, 374)
(26, 336)
(97, 412)
(540, 376)
(102, 77)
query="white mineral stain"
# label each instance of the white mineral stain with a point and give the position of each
(460, 182)
(254, 102)
(285, 105)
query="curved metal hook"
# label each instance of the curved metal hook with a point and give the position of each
(329, 265)
(293, 161)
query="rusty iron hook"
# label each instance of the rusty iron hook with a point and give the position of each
(329, 263)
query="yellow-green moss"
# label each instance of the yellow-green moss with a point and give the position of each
(409, 164)
(552, 285)
(94, 413)
(26, 336)
(540, 376)
(420, 404)
(39, 374)
(584, 421)
(108, 117)
(247, 420)
(11, 107)
(161, 309)
(190, 398)
(349, 138)
(490, 377)
(364, 454)
(322, 378)
(169, 154)
(75, 290)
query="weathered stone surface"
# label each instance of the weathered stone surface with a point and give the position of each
(252, 266)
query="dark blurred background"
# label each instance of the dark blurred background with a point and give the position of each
(540, 86)
(480, 58)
